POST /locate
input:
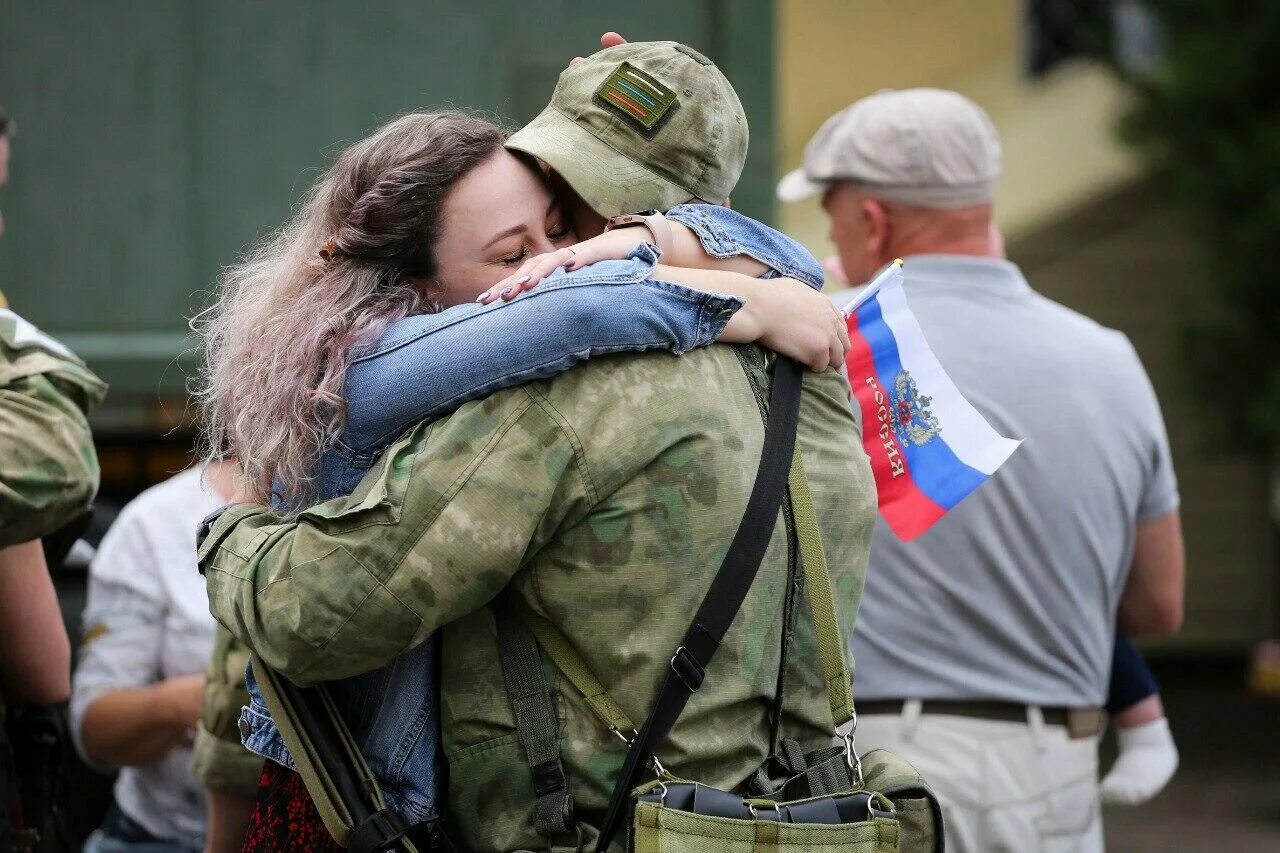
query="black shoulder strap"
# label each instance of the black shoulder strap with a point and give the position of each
(537, 724)
(728, 590)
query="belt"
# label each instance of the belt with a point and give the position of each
(1079, 722)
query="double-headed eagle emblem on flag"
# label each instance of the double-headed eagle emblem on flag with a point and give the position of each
(912, 420)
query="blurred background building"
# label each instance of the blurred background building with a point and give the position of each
(157, 140)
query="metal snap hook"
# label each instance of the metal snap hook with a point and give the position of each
(851, 758)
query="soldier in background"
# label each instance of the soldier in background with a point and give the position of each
(48, 477)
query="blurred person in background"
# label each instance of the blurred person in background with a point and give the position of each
(985, 645)
(139, 683)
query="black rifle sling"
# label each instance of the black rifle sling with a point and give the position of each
(728, 590)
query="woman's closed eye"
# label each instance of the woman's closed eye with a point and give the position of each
(557, 233)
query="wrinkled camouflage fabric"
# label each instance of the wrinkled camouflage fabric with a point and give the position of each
(218, 759)
(605, 498)
(48, 466)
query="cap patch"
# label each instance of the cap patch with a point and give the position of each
(637, 96)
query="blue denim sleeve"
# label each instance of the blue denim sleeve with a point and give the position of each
(428, 365)
(725, 233)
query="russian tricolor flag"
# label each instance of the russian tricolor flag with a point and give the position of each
(928, 445)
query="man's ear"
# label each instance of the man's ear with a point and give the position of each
(879, 226)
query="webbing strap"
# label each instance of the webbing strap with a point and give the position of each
(574, 668)
(344, 789)
(537, 724)
(330, 792)
(822, 605)
(724, 598)
(340, 781)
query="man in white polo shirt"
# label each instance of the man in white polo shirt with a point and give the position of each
(984, 646)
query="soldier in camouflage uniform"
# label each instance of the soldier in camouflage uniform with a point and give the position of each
(604, 500)
(48, 467)
(48, 476)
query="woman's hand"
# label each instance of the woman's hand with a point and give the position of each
(792, 319)
(612, 245)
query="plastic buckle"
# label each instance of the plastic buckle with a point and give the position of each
(378, 832)
(688, 669)
(548, 777)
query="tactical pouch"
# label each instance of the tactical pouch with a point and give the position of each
(829, 799)
(680, 816)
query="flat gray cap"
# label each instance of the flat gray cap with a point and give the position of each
(924, 147)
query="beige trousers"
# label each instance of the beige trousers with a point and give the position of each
(1005, 787)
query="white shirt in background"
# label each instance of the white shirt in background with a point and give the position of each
(147, 618)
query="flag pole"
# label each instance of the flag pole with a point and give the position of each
(888, 274)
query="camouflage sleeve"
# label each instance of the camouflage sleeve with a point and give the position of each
(48, 466)
(434, 532)
(218, 760)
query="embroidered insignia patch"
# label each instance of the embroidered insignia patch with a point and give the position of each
(640, 97)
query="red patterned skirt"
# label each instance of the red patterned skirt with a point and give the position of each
(284, 816)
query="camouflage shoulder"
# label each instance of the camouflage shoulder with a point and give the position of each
(26, 351)
(18, 335)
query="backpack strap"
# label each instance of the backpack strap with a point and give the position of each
(575, 669)
(537, 725)
(724, 598)
(822, 605)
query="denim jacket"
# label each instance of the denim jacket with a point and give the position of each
(426, 366)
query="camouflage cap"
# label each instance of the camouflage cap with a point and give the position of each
(640, 126)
